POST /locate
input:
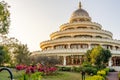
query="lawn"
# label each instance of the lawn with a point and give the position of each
(59, 76)
(4, 75)
(64, 76)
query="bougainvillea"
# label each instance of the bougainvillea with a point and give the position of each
(38, 68)
(21, 67)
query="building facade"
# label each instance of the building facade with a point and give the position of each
(77, 36)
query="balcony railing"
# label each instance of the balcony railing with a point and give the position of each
(73, 51)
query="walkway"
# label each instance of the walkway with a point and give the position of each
(113, 76)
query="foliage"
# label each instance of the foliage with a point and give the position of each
(106, 70)
(33, 76)
(22, 54)
(10, 44)
(48, 61)
(76, 69)
(119, 75)
(101, 73)
(88, 68)
(64, 68)
(112, 70)
(38, 68)
(95, 77)
(60, 75)
(86, 64)
(4, 56)
(21, 67)
(4, 17)
(98, 56)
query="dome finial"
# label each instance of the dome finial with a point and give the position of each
(80, 5)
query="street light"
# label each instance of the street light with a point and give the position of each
(83, 74)
(11, 75)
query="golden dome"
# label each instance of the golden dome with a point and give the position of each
(80, 15)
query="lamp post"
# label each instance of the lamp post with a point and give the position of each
(11, 75)
(83, 74)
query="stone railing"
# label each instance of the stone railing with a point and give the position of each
(72, 40)
(81, 23)
(73, 51)
(66, 51)
(116, 52)
(100, 32)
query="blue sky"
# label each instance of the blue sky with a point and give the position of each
(32, 21)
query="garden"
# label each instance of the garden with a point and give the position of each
(22, 66)
(44, 68)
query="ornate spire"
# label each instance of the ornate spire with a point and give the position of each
(80, 5)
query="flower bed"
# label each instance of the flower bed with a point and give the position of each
(35, 72)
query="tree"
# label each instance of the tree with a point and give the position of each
(47, 61)
(4, 56)
(4, 18)
(98, 56)
(22, 54)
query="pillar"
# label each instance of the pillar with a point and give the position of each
(68, 46)
(64, 60)
(89, 46)
(110, 62)
(72, 60)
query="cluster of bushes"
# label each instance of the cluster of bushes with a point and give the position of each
(95, 72)
(35, 72)
(101, 75)
(38, 68)
(89, 70)
(95, 77)
(65, 68)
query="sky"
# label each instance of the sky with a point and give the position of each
(32, 21)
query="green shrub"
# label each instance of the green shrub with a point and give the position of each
(106, 70)
(86, 64)
(33, 76)
(102, 73)
(112, 70)
(76, 69)
(119, 75)
(65, 68)
(90, 70)
(95, 77)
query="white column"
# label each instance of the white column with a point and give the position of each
(89, 46)
(64, 60)
(68, 46)
(110, 62)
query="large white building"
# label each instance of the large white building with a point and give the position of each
(77, 36)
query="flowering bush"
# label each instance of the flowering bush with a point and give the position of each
(39, 68)
(101, 73)
(95, 77)
(21, 67)
(30, 69)
(47, 70)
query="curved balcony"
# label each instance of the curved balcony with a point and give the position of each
(79, 31)
(72, 52)
(64, 51)
(79, 40)
(94, 24)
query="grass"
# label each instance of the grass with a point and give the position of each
(63, 76)
(4, 75)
